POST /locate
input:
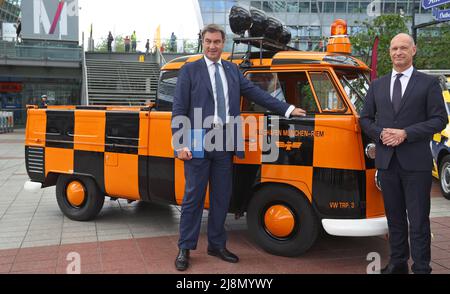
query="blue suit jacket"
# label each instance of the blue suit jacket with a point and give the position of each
(194, 90)
(422, 113)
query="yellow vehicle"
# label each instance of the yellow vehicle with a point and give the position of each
(440, 145)
(323, 177)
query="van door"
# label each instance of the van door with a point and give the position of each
(339, 178)
(123, 143)
(283, 156)
(319, 154)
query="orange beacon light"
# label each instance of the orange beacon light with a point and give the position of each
(339, 41)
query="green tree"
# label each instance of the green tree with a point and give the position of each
(432, 49)
(102, 46)
(385, 27)
(432, 43)
(119, 45)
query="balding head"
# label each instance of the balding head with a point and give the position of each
(402, 51)
(404, 37)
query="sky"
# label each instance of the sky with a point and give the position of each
(144, 16)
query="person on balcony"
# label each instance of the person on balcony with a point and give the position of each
(110, 40)
(133, 42)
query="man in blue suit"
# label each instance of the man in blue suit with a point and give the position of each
(214, 86)
(402, 111)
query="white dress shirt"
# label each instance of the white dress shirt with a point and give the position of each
(404, 80)
(212, 71)
(223, 77)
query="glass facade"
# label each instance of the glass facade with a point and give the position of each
(23, 81)
(23, 91)
(9, 10)
(310, 20)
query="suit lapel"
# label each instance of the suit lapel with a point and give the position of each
(409, 88)
(228, 74)
(205, 76)
(226, 69)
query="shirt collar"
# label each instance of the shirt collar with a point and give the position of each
(209, 62)
(407, 73)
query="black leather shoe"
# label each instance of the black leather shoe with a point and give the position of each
(223, 254)
(182, 260)
(399, 269)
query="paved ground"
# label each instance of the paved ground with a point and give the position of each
(141, 238)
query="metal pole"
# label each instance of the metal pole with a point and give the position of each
(413, 21)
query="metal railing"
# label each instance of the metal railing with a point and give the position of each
(39, 51)
(6, 122)
(192, 46)
(85, 90)
(160, 59)
(185, 46)
(19, 115)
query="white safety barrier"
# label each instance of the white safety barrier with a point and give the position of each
(6, 122)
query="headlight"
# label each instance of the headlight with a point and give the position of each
(371, 150)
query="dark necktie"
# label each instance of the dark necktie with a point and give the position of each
(221, 111)
(397, 93)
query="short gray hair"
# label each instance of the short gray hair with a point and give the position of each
(213, 28)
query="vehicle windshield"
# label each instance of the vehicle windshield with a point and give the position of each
(356, 85)
(166, 90)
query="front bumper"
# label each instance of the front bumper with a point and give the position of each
(356, 227)
(32, 187)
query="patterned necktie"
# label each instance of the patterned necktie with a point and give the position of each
(221, 111)
(397, 93)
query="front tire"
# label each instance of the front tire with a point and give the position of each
(78, 197)
(282, 221)
(444, 176)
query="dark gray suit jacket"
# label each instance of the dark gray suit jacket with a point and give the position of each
(422, 113)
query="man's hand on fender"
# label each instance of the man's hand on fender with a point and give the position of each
(393, 137)
(298, 112)
(184, 154)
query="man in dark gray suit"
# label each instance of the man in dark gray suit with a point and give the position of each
(402, 111)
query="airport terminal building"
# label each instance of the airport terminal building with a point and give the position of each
(47, 59)
(44, 60)
(310, 18)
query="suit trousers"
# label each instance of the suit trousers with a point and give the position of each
(217, 169)
(407, 198)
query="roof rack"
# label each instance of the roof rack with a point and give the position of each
(262, 43)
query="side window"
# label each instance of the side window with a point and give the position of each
(166, 90)
(122, 132)
(327, 94)
(269, 82)
(290, 87)
(304, 94)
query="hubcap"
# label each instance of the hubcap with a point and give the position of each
(279, 221)
(75, 193)
(445, 177)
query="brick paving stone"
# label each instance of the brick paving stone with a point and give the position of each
(148, 236)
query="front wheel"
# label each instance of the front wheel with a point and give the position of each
(444, 176)
(282, 221)
(78, 197)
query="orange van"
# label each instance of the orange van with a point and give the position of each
(323, 177)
